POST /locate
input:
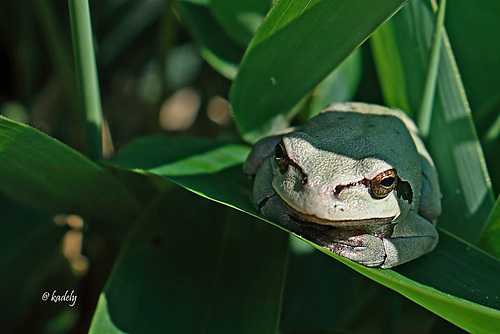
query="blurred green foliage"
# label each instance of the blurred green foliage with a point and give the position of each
(149, 256)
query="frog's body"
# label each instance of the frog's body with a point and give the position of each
(356, 179)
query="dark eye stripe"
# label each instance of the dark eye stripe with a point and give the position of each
(404, 191)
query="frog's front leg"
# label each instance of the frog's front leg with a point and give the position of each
(411, 238)
(365, 249)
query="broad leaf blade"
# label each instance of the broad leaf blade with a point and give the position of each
(298, 45)
(178, 155)
(43, 173)
(191, 254)
(441, 282)
(30, 256)
(453, 144)
(490, 240)
(339, 86)
(312, 276)
(476, 45)
(454, 281)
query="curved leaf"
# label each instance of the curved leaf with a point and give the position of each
(489, 237)
(43, 173)
(190, 254)
(454, 281)
(299, 43)
(338, 86)
(476, 45)
(30, 257)
(453, 144)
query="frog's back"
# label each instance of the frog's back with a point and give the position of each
(366, 108)
(361, 131)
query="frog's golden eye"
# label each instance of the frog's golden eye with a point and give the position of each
(281, 157)
(382, 184)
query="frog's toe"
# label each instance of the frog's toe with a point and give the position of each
(364, 249)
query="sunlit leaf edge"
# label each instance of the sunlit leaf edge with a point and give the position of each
(418, 292)
(278, 105)
(445, 106)
(49, 160)
(391, 279)
(489, 240)
(386, 277)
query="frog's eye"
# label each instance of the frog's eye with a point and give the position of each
(281, 157)
(382, 184)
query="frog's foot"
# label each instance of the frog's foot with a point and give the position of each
(364, 249)
(411, 238)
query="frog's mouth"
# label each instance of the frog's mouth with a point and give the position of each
(343, 223)
(380, 227)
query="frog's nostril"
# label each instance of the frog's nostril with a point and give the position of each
(338, 190)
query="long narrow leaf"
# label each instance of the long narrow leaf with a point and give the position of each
(454, 281)
(29, 256)
(299, 43)
(425, 112)
(190, 254)
(86, 74)
(453, 144)
(490, 240)
(43, 173)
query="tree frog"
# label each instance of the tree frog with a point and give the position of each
(356, 179)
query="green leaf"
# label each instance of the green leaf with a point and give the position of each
(176, 156)
(476, 45)
(490, 240)
(297, 46)
(338, 86)
(88, 94)
(29, 256)
(43, 173)
(453, 144)
(313, 277)
(426, 106)
(194, 266)
(216, 47)
(454, 281)
(473, 30)
(240, 19)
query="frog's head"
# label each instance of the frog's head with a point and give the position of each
(344, 180)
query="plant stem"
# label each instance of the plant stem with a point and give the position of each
(425, 112)
(86, 76)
